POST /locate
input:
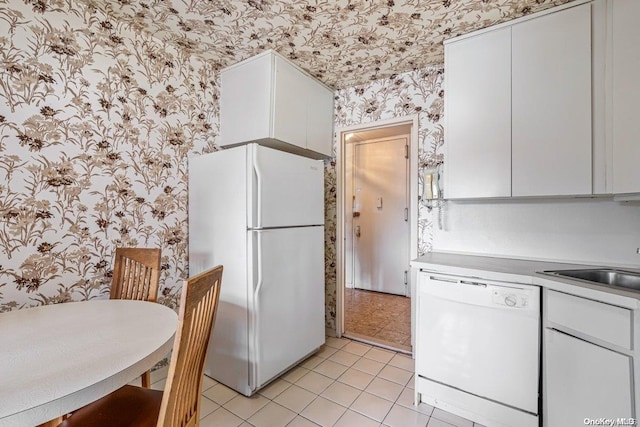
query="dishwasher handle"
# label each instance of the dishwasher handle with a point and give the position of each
(467, 282)
(457, 281)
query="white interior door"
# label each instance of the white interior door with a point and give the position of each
(380, 216)
(287, 299)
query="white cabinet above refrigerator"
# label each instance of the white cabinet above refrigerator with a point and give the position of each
(268, 99)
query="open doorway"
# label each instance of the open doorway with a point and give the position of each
(376, 234)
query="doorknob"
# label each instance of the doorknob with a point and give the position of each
(357, 231)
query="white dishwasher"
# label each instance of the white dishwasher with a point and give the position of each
(478, 348)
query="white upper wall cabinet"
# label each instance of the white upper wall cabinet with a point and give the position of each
(551, 104)
(518, 107)
(268, 99)
(478, 115)
(625, 95)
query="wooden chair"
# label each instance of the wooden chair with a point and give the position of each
(136, 276)
(179, 404)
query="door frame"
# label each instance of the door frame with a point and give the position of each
(341, 136)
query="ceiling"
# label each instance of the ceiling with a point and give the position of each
(343, 43)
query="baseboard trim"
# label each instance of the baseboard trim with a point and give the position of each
(330, 332)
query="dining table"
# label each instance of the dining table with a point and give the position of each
(57, 358)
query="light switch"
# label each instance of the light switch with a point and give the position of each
(379, 202)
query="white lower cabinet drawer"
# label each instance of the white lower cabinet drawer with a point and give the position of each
(606, 322)
(584, 381)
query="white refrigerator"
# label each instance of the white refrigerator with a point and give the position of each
(260, 213)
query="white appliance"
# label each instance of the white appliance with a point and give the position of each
(478, 349)
(260, 213)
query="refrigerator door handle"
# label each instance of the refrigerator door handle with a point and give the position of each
(255, 371)
(257, 191)
(259, 261)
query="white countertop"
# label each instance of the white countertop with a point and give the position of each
(57, 358)
(526, 272)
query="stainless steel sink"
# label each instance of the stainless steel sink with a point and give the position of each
(604, 276)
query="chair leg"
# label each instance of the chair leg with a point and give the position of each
(53, 423)
(146, 379)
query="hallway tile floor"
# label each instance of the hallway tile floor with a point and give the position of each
(378, 317)
(345, 384)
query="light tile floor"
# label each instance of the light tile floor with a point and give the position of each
(346, 384)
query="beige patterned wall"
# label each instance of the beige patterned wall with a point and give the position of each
(417, 92)
(96, 123)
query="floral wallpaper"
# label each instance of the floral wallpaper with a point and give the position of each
(96, 123)
(342, 42)
(416, 92)
(101, 103)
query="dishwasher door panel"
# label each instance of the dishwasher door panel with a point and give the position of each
(481, 338)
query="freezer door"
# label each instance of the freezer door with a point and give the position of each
(287, 315)
(287, 190)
